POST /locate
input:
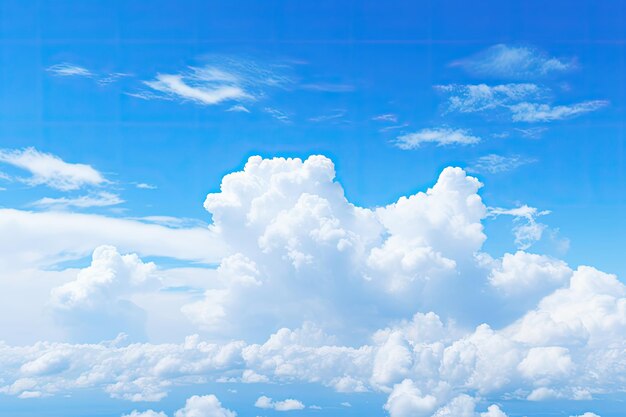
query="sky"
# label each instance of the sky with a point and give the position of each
(357, 208)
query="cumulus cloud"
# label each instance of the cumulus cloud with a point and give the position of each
(515, 62)
(285, 405)
(147, 413)
(536, 112)
(441, 136)
(96, 305)
(204, 406)
(293, 232)
(526, 273)
(50, 170)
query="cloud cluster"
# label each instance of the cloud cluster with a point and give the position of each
(195, 406)
(441, 136)
(284, 405)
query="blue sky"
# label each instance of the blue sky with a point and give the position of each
(118, 118)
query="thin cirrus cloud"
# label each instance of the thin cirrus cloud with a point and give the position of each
(536, 112)
(472, 98)
(69, 70)
(515, 62)
(441, 136)
(101, 199)
(220, 80)
(494, 164)
(52, 171)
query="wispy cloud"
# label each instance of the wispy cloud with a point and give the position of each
(532, 132)
(494, 164)
(393, 127)
(440, 136)
(69, 70)
(516, 62)
(526, 230)
(278, 114)
(388, 117)
(145, 186)
(536, 112)
(480, 97)
(238, 108)
(51, 170)
(102, 199)
(111, 78)
(328, 87)
(335, 116)
(221, 80)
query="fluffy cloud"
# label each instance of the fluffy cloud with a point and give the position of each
(96, 305)
(296, 239)
(204, 406)
(285, 405)
(525, 273)
(514, 62)
(147, 413)
(51, 170)
(441, 136)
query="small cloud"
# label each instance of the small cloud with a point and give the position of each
(532, 132)
(441, 136)
(338, 114)
(393, 127)
(111, 78)
(102, 199)
(145, 186)
(526, 230)
(69, 70)
(238, 108)
(515, 62)
(277, 114)
(535, 112)
(286, 405)
(50, 170)
(346, 404)
(494, 164)
(315, 407)
(386, 118)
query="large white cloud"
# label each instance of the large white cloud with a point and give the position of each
(300, 245)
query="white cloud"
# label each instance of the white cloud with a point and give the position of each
(101, 199)
(493, 411)
(69, 70)
(587, 414)
(220, 80)
(278, 114)
(388, 117)
(515, 62)
(285, 405)
(51, 170)
(147, 413)
(204, 406)
(144, 186)
(406, 400)
(536, 112)
(526, 230)
(481, 97)
(238, 108)
(525, 273)
(36, 238)
(96, 305)
(494, 164)
(440, 136)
